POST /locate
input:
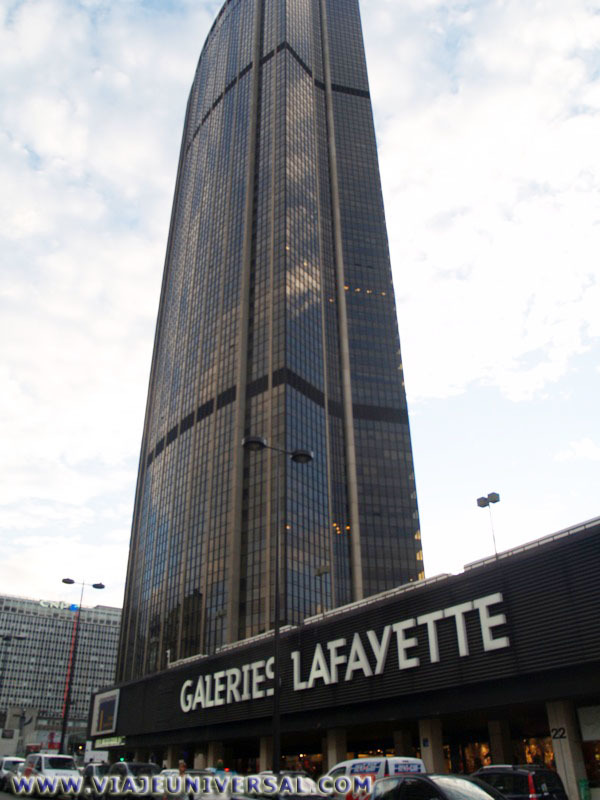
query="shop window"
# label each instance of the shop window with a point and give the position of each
(591, 757)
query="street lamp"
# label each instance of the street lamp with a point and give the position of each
(254, 444)
(485, 502)
(71, 664)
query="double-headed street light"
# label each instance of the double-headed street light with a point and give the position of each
(485, 502)
(71, 664)
(255, 444)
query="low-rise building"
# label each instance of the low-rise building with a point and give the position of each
(499, 664)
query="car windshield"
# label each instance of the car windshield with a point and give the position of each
(144, 769)
(99, 769)
(487, 786)
(385, 785)
(460, 788)
(198, 775)
(58, 762)
(548, 781)
(506, 782)
(9, 763)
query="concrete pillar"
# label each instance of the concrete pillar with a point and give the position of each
(172, 756)
(200, 760)
(500, 741)
(432, 751)
(214, 753)
(336, 748)
(265, 755)
(403, 745)
(566, 743)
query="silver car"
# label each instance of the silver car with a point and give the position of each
(7, 763)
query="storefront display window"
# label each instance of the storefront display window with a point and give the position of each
(537, 750)
(591, 757)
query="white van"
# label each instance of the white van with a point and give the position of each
(50, 765)
(378, 766)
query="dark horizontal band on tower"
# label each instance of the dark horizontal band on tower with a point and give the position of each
(281, 376)
(336, 87)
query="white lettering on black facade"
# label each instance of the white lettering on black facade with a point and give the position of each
(343, 659)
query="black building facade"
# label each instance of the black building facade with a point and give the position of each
(505, 656)
(277, 318)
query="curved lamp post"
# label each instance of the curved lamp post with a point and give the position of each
(71, 664)
(255, 444)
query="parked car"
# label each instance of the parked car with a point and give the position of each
(51, 765)
(528, 781)
(15, 772)
(374, 767)
(213, 792)
(378, 766)
(95, 769)
(6, 764)
(309, 791)
(432, 787)
(10, 766)
(195, 779)
(135, 770)
(293, 773)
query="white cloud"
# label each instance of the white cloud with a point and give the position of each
(491, 181)
(91, 106)
(51, 558)
(581, 450)
(488, 117)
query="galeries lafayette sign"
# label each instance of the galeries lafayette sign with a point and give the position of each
(366, 654)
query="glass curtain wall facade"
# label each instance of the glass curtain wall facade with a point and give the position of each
(277, 318)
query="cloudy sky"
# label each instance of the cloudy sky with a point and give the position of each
(488, 123)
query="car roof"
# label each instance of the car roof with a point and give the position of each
(46, 753)
(514, 768)
(50, 755)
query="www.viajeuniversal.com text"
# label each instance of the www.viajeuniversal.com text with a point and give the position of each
(184, 784)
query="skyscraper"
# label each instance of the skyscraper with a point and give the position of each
(277, 319)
